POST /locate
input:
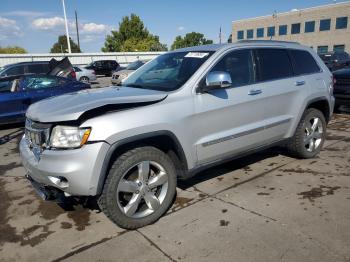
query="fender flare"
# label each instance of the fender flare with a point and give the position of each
(137, 138)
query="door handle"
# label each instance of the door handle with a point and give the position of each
(300, 83)
(254, 92)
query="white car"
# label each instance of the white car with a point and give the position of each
(85, 75)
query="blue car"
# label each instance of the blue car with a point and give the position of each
(17, 93)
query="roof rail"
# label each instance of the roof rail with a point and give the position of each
(267, 41)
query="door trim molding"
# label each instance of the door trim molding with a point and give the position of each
(244, 133)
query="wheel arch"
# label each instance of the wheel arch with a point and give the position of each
(163, 140)
(322, 104)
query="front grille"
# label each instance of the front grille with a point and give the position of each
(37, 134)
(342, 81)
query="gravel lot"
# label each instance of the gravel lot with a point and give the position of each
(264, 207)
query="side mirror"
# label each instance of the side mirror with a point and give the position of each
(217, 80)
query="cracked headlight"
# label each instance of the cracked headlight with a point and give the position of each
(69, 137)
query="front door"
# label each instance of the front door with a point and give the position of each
(230, 120)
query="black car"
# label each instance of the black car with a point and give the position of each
(342, 87)
(104, 67)
(25, 68)
(335, 61)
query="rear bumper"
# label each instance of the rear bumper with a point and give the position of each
(80, 169)
(342, 99)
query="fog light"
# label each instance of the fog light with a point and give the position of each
(59, 181)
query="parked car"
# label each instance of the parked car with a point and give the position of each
(25, 68)
(103, 67)
(119, 76)
(180, 113)
(335, 61)
(342, 87)
(17, 93)
(84, 75)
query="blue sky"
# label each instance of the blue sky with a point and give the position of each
(35, 24)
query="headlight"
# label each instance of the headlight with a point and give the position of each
(69, 136)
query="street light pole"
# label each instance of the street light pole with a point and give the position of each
(66, 22)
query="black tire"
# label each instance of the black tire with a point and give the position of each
(296, 146)
(108, 199)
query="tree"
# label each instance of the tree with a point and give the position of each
(12, 50)
(132, 36)
(190, 39)
(61, 45)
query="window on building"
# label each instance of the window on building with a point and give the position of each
(325, 25)
(282, 30)
(260, 32)
(240, 35)
(250, 34)
(303, 62)
(309, 26)
(295, 29)
(341, 23)
(322, 49)
(339, 48)
(273, 64)
(271, 31)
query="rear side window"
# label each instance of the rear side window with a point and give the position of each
(37, 69)
(273, 64)
(15, 70)
(303, 62)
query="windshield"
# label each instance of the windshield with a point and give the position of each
(167, 72)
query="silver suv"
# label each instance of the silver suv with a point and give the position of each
(181, 112)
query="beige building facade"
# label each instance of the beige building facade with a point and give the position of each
(324, 28)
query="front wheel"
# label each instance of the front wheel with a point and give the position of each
(309, 136)
(139, 188)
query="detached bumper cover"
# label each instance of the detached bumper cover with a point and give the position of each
(80, 167)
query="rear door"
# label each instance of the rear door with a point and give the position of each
(281, 92)
(230, 120)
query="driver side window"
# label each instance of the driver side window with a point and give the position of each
(239, 64)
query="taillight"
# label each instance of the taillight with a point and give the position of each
(73, 74)
(334, 80)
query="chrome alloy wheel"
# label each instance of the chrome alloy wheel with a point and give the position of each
(142, 189)
(313, 134)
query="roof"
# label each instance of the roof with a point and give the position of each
(24, 63)
(216, 47)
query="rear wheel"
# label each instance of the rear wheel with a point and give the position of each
(139, 188)
(84, 79)
(309, 136)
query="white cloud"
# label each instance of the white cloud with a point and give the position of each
(48, 23)
(91, 28)
(57, 24)
(8, 28)
(181, 28)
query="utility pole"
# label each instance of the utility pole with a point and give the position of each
(66, 22)
(220, 36)
(77, 27)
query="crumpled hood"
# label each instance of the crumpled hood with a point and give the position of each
(70, 107)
